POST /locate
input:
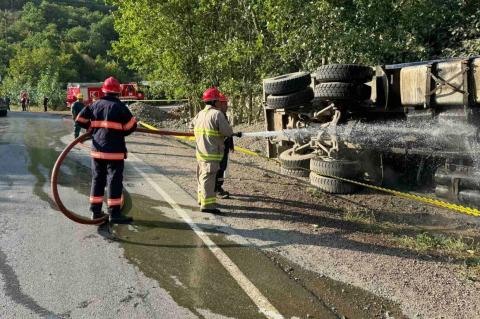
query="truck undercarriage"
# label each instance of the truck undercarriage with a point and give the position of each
(405, 125)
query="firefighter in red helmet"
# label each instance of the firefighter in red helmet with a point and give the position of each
(210, 128)
(110, 121)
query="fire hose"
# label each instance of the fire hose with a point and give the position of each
(58, 164)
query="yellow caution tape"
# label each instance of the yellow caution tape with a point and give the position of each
(246, 151)
(435, 202)
(458, 208)
(150, 127)
(192, 138)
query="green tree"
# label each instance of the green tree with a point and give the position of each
(47, 44)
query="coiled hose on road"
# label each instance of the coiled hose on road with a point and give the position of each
(56, 169)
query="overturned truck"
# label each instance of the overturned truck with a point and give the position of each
(412, 125)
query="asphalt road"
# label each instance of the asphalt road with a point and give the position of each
(174, 262)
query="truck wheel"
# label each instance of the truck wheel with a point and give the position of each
(287, 83)
(3, 113)
(334, 167)
(331, 185)
(291, 160)
(344, 73)
(342, 91)
(294, 172)
(290, 100)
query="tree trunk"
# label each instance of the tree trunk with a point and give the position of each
(241, 109)
(232, 111)
(250, 108)
(259, 116)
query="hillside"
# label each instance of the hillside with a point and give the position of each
(46, 44)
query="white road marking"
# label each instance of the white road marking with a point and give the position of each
(248, 287)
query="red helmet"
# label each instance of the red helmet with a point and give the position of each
(211, 94)
(222, 98)
(111, 85)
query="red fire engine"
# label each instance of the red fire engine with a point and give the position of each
(93, 91)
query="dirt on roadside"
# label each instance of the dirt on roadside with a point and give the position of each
(157, 117)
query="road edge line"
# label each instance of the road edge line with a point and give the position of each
(247, 286)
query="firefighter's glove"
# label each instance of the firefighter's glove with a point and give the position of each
(238, 134)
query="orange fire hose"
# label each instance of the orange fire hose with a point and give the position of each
(56, 169)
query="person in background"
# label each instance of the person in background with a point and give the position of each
(77, 107)
(229, 147)
(24, 100)
(45, 103)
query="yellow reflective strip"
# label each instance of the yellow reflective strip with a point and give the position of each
(210, 200)
(208, 132)
(209, 157)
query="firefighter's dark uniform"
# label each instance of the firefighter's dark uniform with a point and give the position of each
(77, 107)
(229, 147)
(110, 121)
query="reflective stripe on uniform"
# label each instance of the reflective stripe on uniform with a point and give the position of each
(107, 124)
(96, 199)
(130, 124)
(207, 132)
(108, 156)
(209, 157)
(114, 201)
(208, 201)
(82, 119)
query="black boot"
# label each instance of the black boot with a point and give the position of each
(223, 193)
(117, 218)
(214, 211)
(97, 215)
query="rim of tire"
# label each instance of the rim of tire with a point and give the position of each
(289, 159)
(327, 166)
(331, 185)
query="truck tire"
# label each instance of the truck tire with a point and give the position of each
(291, 100)
(331, 185)
(3, 113)
(291, 160)
(342, 91)
(334, 167)
(355, 73)
(287, 83)
(294, 172)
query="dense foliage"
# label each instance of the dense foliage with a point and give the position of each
(184, 46)
(188, 45)
(45, 44)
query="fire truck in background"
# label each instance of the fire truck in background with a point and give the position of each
(93, 91)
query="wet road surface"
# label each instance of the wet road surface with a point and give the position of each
(172, 263)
